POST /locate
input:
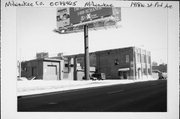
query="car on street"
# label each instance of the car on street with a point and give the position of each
(99, 76)
(159, 75)
(96, 76)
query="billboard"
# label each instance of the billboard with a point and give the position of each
(72, 19)
(84, 14)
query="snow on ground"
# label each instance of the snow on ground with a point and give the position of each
(30, 87)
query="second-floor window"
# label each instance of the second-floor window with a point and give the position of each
(127, 58)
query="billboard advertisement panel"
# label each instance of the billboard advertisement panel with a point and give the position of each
(84, 14)
(63, 17)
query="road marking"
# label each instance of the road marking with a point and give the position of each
(114, 92)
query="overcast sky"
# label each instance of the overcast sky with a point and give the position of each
(141, 27)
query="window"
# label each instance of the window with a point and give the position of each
(145, 71)
(66, 68)
(24, 69)
(145, 59)
(149, 71)
(116, 62)
(66, 65)
(138, 57)
(149, 57)
(127, 58)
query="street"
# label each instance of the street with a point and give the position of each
(148, 96)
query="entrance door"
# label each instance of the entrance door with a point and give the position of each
(139, 73)
(34, 71)
(123, 74)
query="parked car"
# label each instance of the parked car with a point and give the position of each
(92, 78)
(96, 76)
(164, 75)
(160, 75)
(99, 76)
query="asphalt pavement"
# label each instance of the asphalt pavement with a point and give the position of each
(148, 96)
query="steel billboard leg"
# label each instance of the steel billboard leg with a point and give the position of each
(75, 69)
(86, 49)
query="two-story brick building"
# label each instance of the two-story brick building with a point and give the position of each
(122, 63)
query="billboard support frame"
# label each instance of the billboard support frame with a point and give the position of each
(86, 50)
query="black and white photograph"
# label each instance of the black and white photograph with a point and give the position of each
(90, 58)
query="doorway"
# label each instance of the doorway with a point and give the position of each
(123, 74)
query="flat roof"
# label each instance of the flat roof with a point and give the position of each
(99, 51)
(43, 59)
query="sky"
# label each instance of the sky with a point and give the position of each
(141, 27)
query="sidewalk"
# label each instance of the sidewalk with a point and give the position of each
(40, 86)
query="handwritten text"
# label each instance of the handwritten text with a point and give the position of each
(17, 4)
(152, 4)
(93, 4)
(63, 3)
(73, 3)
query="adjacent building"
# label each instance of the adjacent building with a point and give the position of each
(46, 69)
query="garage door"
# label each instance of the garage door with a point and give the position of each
(50, 72)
